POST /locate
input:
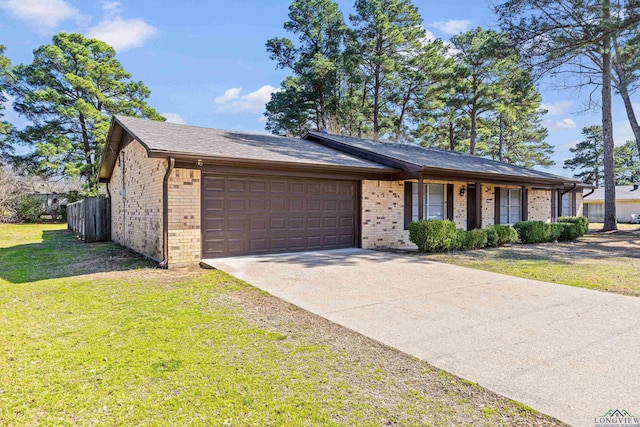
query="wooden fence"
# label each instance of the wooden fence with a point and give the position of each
(90, 219)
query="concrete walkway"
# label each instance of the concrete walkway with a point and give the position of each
(568, 352)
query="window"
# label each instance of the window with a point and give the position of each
(510, 203)
(566, 204)
(434, 202)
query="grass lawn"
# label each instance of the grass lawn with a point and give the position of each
(94, 335)
(603, 261)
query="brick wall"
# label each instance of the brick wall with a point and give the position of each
(136, 201)
(488, 205)
(184, 217)
(579, 204)
(540, 205)
(383, 215)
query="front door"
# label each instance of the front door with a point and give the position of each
(472, 218)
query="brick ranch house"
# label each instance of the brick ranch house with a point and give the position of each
(183, 193)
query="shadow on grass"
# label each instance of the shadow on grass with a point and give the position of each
(60, 254)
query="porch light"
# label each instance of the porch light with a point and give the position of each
(462, 190)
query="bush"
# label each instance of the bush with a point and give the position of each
(570, 231)
(475, 239)
(434, 235)
(492, 236)
(532, 231)
(498, 235)
(460, 241)
(581, 222)
(29, 208)
(554, 231)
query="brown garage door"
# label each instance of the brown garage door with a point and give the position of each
(254, 215)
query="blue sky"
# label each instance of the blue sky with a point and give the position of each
(206, 64)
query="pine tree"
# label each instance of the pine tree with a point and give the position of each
(587, 156)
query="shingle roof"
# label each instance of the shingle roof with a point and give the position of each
(440, 159)
(623, 192)
(197, 141)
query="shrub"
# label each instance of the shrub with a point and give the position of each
(29, 208)
(581, 222)
(554, 231)
(532, 231)
(433, 235)
(492, 236)
(460, 241)
(475, 239)
(570, 231)
(498, 235)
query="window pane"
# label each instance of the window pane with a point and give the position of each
(504, 197)
(504, 218)
(414, 202)
(515, 217)
(515, 197)
(436, 188)
(436, 212)
(435, 199)
(566, 210)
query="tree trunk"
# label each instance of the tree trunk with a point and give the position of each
(472, 142)
(501, 138)
(452, 141)
(87, 154)
(607, 129)
(623, 89)
(376, 104)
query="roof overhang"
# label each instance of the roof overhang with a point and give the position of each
(119, 136)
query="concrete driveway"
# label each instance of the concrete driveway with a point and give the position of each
(571, 353)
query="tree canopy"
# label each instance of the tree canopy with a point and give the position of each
(68, 93)
(5, 127)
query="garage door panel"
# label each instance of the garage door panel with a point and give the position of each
(250, 215)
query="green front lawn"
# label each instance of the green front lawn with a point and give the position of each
(94, 335)
(602, 261)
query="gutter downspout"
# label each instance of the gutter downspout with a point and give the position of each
(569, 190)
(165, 213)
(589, 193)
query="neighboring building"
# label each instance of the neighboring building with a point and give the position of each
(182, 193)
(627, 204)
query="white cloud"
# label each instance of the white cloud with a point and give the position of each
(563, 124)
(452, 26)
(123, 34)
(229, 95)
(252, 102)
(111, 8)
(557, 108)
(174, 118)
(46, 14)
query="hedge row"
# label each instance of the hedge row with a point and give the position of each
(566, 229)
(442, 236)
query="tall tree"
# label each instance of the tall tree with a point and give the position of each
(68, 93)
(5, 127)
(315, 61)
(627, 164)
(386, 36)
(626, 73)
(484, 61)
(559, 36)
(588, 156)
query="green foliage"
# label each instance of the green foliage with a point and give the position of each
(588, 156)
(67, 94)
(5, 127)
(28, 208)
(581, 221)
(555, 231)
(532, 231)
(627, 164)
(499, 234)
(570, 231)
(475, 239)
(434, 235)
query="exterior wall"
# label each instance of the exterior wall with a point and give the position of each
(459, 205)
(579, 204)
(488, 205)
(184, 217)
(624, 209)
(540, 205)
(136, 201)
(383, 215)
